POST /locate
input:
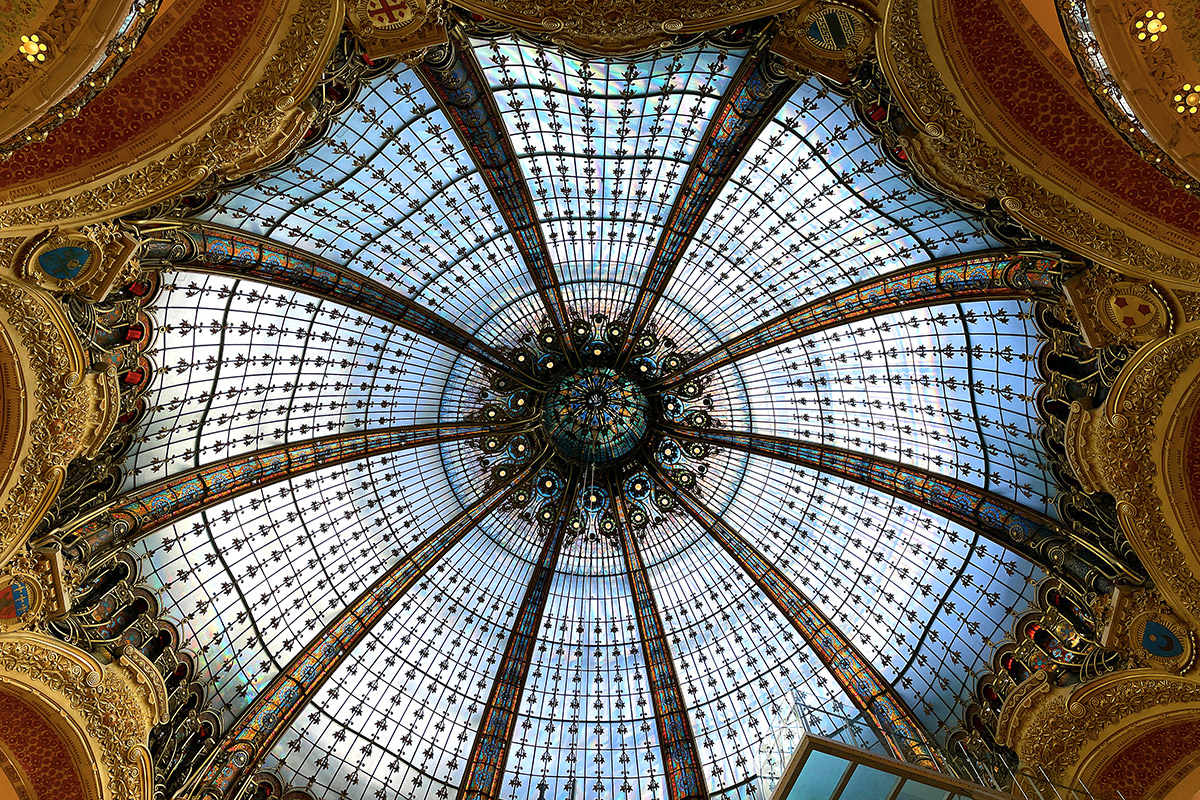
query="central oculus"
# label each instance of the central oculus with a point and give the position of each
(595, 415)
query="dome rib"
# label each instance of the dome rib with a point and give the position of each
(681, 760)
(250, 740)
(137, 514)
(462, 91)
(896, 724)
(750, 101)
(218, 250)
(1022, 530)
(484, 771)
(1000, 274)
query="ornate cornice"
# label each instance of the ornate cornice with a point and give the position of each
(906, 61)
(62, 407)
(233, 137)
(114, 712)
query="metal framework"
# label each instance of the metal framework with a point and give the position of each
(146, 509)
(217, 250)
(259, 727)
(995, 275)
(751, 100)
(485, 768)
(685, 780)
(1035, 536)
(860, 681)
(455, 78)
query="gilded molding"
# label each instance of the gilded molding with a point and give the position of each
(919, 86)
(1073, 720)
(65, 411)
(115, 706)
(234, 137)
(1123, 444)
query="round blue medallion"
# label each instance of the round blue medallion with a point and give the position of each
(595, 415)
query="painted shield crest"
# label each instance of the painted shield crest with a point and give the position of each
(64, 263)
(14, 600)
(1160, 641)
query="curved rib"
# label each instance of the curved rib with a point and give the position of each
(749, 103)
(865, 687)
(994, 275)
(218, 250)
(462, 91)
(685, 780)
(265, 720)
(138, 513)
(485, 768)
(1034, 536)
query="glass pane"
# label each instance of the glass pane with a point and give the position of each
(919, 791)
(869, 784)
(818, 778)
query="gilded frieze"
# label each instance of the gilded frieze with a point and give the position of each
(921, 88)
(233, 137)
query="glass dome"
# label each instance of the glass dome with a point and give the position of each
(611, 155)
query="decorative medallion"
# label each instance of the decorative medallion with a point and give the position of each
(20, 601)
(1133, 309)
(14, 600)
(388, 15)
(824, 37)
(89, 260)
(599, 419)
(64, 257)
(406, 29)
(835, 29)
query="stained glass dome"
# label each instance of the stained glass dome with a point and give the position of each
(694, 319)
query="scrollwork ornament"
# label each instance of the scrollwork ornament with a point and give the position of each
(1123, 440)
(912, 71)
(59, 429)
(102, 699)
(231, 138)
(1057, 733)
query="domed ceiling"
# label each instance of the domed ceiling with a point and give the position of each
(614, 157)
